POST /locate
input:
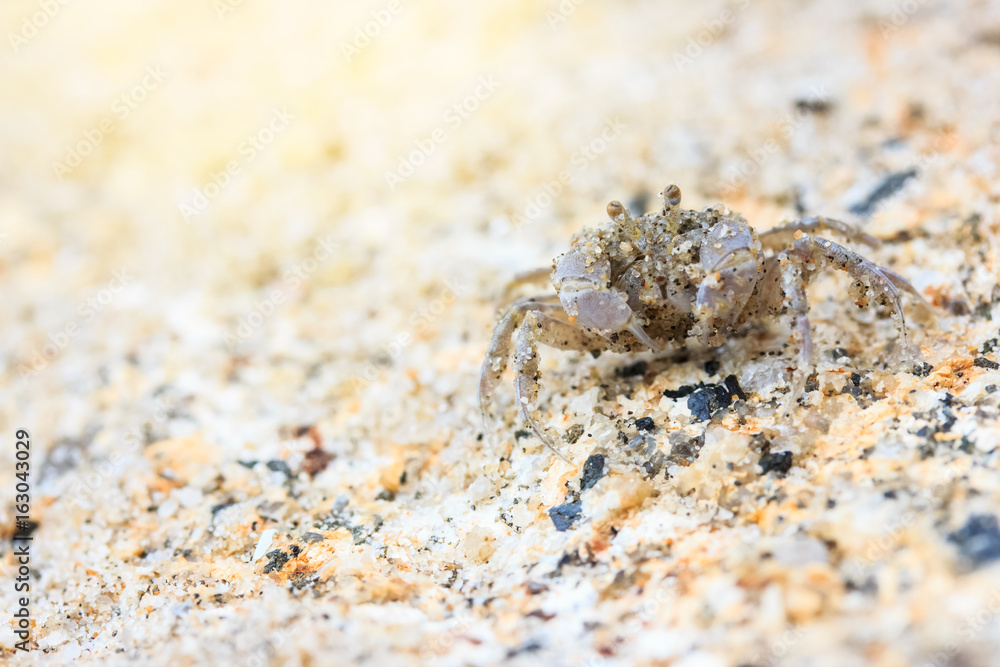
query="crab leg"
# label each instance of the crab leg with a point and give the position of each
(782, 291)
(870, 280)
(498, 353)
(537, 328)
(526, 324)
(533, 277)
(902, 283)
(783, 235)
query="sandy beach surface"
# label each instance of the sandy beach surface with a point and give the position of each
(251, 256)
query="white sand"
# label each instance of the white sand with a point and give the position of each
(310, 289)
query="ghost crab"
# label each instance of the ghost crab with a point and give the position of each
(637, 283)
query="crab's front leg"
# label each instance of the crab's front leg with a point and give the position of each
(499, 352)
(529, 323)
(527, 376)
(538, 327)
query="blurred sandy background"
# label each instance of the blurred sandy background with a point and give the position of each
(247, 231)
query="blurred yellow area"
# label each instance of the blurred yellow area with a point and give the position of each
(189, 134)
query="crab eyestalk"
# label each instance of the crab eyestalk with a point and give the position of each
(672, 204)
(617, 212)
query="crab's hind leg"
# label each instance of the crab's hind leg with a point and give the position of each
(782, 292)
(537, 327)
(538, 276)
(871, 282)
(902, 283)
(783, 235)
